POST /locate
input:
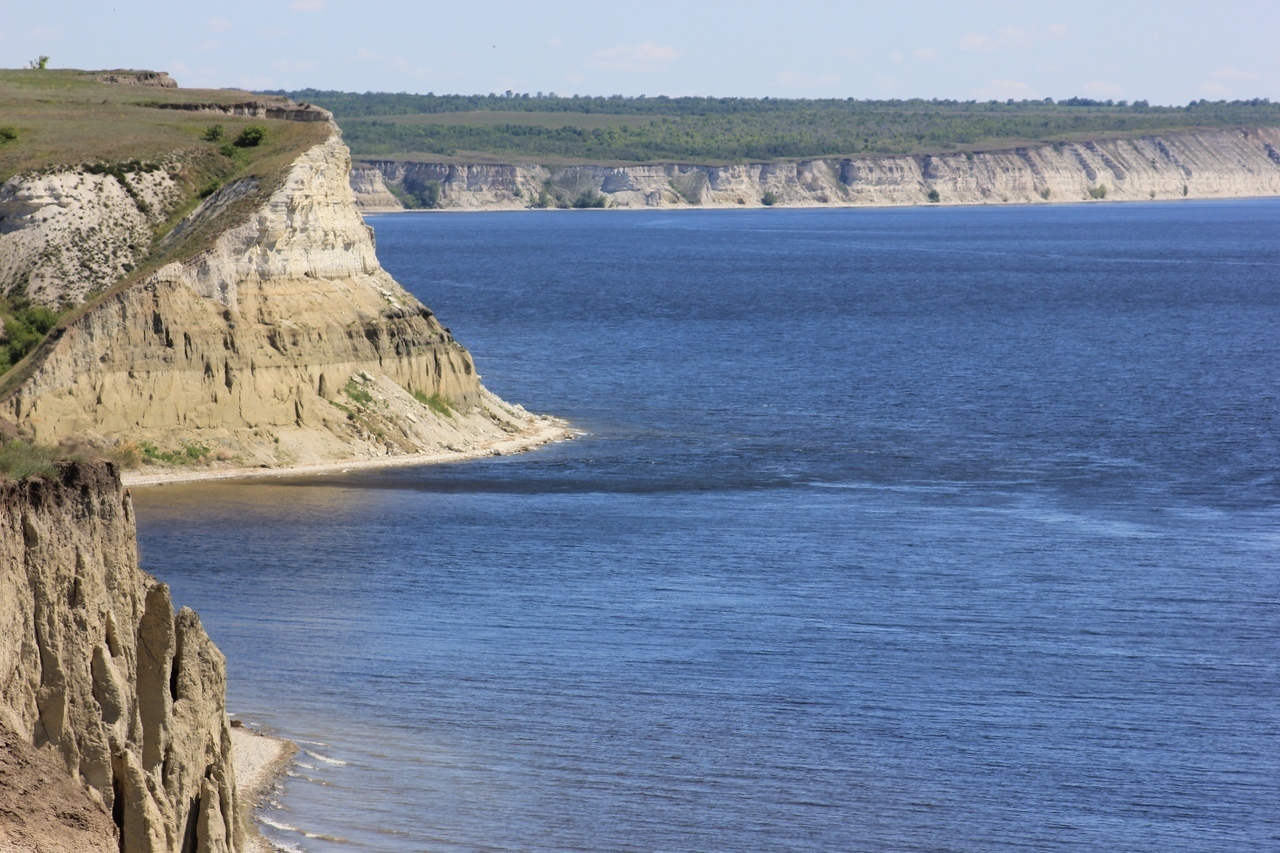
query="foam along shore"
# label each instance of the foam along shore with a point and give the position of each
(259, 759)
(542, 431)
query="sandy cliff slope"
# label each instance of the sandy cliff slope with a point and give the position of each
(284, 343)
(100, 679)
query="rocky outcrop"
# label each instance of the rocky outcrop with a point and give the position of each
(99, 674)
(160, 79)
(1205, 164)
(284, 343)
(279, 109)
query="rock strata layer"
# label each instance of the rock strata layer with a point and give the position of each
(1205, 164)
(284, 343)
(102, 678)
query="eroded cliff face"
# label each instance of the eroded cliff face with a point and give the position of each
(1208, 164)
(67, 234)
(285, 343)
(99, 673)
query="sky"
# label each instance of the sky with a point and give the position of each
(1169, 52)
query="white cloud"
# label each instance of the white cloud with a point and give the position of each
(1012, 38)
(634, 58)
(925, 54)
(1001, 90)
(307, 5)
(856, 54)
(219, 25)
(1214, 89)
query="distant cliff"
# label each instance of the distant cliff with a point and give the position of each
(1205, 164)
(103, 678)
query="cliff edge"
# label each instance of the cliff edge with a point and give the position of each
(275, 341)
(102, 680)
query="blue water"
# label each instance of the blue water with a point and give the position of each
(914, 529)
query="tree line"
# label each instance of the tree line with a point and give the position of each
(692, 129)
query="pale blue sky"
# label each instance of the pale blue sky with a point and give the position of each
(1167, 52)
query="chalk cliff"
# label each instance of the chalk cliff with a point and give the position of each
(102, 677)
(1205, 164)
(282, 343)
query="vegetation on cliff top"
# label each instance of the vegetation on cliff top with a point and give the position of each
(555, 130)
(64, 119)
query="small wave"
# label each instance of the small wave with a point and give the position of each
(275, 824)
(313, 743)
(336, 762)
(304, 765)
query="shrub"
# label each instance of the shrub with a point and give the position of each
(769, 199)
(40, 63)
(251, 136)
(212, 133)
(934, 198)
(8, 134)
(429, 195)
(1045, 193)
(1100, 191)
(588, 198)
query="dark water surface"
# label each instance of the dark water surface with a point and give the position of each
(914, 529)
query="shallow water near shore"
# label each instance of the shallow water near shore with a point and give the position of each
(897, 529)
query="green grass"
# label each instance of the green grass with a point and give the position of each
(357, 394)
(189, 453)
(20, 460)
(435, 403)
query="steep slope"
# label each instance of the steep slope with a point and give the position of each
(1202, 164)
(283, 343)
(100, 675)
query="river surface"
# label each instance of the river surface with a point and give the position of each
(897, 529)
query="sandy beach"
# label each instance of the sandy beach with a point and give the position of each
(547, 431)
(258, 760)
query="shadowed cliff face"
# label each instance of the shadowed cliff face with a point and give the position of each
(1205, 164)
(284, 343)
(99, 672)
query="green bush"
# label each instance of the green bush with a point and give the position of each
(251, 136)
(8, 134)
(1100, 191)
(212, 133)
(934, 198)
(769, 199)
(24, 329)
(589, 198)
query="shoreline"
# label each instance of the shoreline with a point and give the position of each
(259, 760)
(547, 431)
(380, 211)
